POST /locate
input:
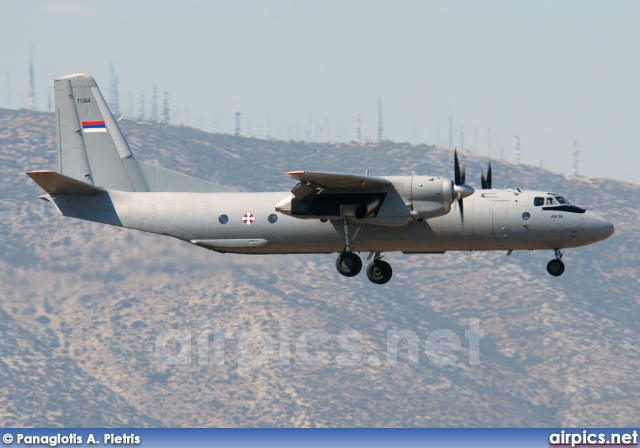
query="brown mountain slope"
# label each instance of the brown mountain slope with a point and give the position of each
(556, 351)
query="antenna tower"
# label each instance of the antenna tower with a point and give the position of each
(31, 103)
(237, 134)
(142, 112)
(114, 92)
(166, 112)
(380, 128)
(154, 105)
(450, 130)
(475, 139)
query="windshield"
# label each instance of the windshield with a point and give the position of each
(562, 200)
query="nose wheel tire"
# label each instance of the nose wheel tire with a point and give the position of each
(379, 272)
(348, 264)
(555, 268)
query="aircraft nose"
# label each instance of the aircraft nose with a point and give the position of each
(597, 227)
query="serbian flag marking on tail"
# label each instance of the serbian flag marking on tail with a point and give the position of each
(93, 126)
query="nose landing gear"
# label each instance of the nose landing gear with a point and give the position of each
(556, 267)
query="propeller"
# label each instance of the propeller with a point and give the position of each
(486, 181)
(461, 190)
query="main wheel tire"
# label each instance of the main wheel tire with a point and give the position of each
(379, 272)
(555, 268)
(348, 264)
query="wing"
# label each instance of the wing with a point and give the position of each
(326, 195)
(312, 183)
(339, 181)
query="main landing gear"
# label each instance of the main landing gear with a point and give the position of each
(556, 267)
(350, 264)
(379, 271)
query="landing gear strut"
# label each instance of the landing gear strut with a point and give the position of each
(556, 267)
(348, 263)
(379, 271)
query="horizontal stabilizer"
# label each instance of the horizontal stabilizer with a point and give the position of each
(56, 183)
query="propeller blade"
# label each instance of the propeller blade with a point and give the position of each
(461, 190)
(486, 181)
(456, 169)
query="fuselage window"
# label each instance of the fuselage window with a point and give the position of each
(223, 219)
(538, 202)
(272, 218)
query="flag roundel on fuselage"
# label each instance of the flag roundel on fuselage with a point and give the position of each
(248, 218)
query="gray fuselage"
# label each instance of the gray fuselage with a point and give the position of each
(493, 220)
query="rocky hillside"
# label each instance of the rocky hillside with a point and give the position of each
(83, 306)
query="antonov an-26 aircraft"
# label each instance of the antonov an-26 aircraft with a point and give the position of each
(100, 180)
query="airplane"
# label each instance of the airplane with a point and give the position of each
(100, 180)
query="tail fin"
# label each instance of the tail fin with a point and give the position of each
(91, 146)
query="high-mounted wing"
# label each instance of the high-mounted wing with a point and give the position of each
(339, 181)
(329, 195)
(312, 183)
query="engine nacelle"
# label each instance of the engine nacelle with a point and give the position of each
(411, 197)
(431, 196)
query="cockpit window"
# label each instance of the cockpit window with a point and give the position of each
(562, 200)
(538, 202)
(549, 201)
